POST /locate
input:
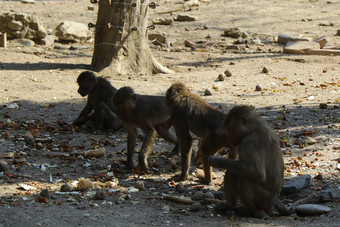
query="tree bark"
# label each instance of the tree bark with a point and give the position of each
(121, 43)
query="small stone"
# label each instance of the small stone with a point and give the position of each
(232, 47)
(100, 195)
(207, 92)
(319, 177)
(84, 185)
(232, 63)
(190, 44)
(29, 138)
(157, 38)
(28, 1)
(162, 21)
(180, 188)
(220, 77)
(205, 27)
(323, 106)
(45, 193)
(96, 153)
(258, 88)
(139, 185)
(197, 196)
(265, 70)
(330, 194)
(312, 209)
(233, 32)
(209, 195)
(91, 8)
(65, 188)
(338, 32)
(185, 17)
(3, 167)
(227, 73)
(195, 207)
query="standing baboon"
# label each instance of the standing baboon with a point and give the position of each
(151, 114)
(191, 113)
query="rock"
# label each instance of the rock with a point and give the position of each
(233, 32)
(157, 38)
(29, 138)
(197, 196)
(338, 32)
(329, 194)
(209, 195)
(73, 31)
(21, 25)
(180, 188)
(190, 44)
(139, 185)
(207, 92)
(100, 195)
(232, 47)
(283, 39)
(265, 70)
(84, 185)
(96, 153)
(319, 176)
(65, 188)
(45, 193)
(28, 1)
(220, 77)
(185, 17)
(91, 8)
(255, 40)
(162, 21)
(300, 47)
(3, 166)
(227, 73)
(296, 184)
(258, 87)
(26, 42)
(323, 106)
(47, 41)
(312, 209)
(195, 207)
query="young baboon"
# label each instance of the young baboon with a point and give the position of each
(191, 113)
(151, 114)
(99, 110)
(256, 177)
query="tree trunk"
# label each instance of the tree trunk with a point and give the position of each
(121, 43)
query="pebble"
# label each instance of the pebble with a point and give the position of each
(96, 153)
(207, 92)
(258, 88)
(209, 195)
(195, 207)
(139, 185)
(100, 195)
(198, 196)
(323, 106)
(265, 70)
(227, 73)
(84, 185)
(319, 177)
(312, 209)
(65, 188)
(233, 32)
(220, 77)
(185, 17)
(3, 167)
(44, 193)
(180, 188)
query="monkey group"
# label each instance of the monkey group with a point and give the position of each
(254, 167)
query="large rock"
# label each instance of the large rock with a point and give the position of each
(157, 38)
(22, 25)
(296, 184)
(312, 209)
(73, 31)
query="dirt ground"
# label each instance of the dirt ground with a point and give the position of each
(39, 101)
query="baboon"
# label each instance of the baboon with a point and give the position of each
(99, 111)
(192, 113)
(151, 114)
(256, 176)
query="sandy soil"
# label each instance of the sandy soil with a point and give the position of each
(40, 80)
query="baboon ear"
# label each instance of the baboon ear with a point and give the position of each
(244, 120)
(134, 97)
